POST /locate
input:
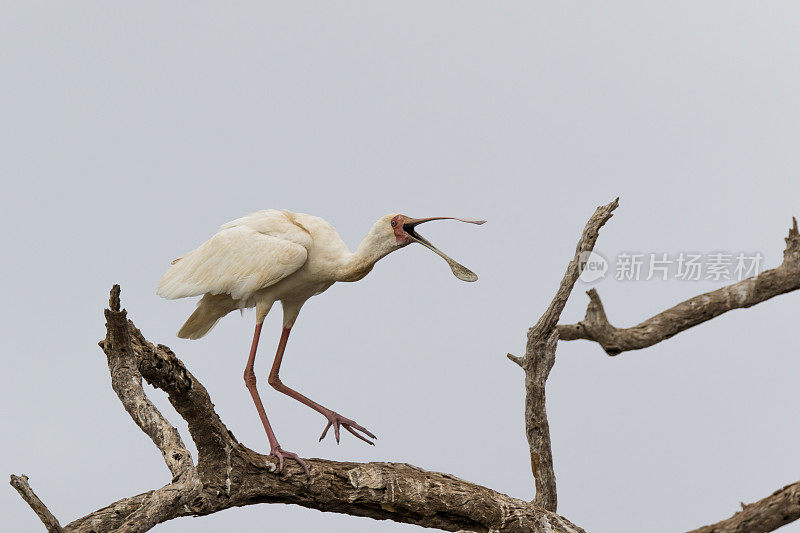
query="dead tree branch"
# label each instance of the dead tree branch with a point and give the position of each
(781, 507)
(540, 354)
(126, 380)
(20, 483)
(596, 327)
(768, 514)
(228, 474)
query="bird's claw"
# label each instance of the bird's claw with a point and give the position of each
(280, 454)
(336, 420)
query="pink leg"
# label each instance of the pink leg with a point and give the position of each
(250, 382)
(334, 419)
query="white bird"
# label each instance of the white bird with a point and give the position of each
(289, 257)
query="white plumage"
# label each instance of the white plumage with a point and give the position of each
(246, 255)
(272, 256)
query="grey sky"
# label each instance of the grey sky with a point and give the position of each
(132, 131)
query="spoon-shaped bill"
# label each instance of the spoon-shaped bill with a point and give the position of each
(459, 270)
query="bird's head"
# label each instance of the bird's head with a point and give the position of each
(395, 231)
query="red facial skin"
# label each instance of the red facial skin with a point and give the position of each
(400, 234)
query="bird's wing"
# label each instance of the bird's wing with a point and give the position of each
(237, 261)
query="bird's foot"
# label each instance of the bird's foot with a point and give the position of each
(280, 454)
(336, 420)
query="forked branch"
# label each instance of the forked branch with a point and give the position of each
(540, 355)
(596, 327)
(781, 507)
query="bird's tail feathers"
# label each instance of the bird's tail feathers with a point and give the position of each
(210, 309)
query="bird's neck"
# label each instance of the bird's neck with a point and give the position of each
(358, 264)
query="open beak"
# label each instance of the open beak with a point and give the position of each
(459, 270)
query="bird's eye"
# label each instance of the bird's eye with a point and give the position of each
(394, 223)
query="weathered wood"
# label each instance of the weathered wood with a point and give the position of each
(540, 355)
(751, 291)
(20, 483)
(126, 381)
(768, 514)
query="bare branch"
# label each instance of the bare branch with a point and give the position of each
(596, 327)
(768, 514)
(126, 380)
(540, 360)
(20, 483)
(586, 244)
(515, 358)
(540, 353)
(781, 507)
(139, 513)
(163, 370)
(382, 491)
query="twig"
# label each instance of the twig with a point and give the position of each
(596, 327)
(50, 522)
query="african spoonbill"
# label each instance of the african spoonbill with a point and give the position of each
(289, 257)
